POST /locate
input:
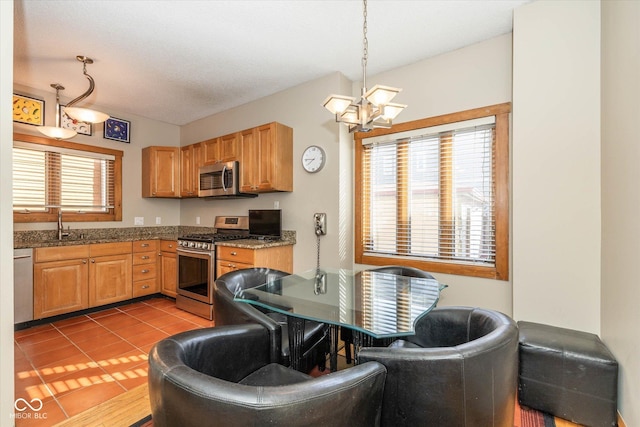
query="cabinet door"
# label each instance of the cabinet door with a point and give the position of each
(188, 187)
(110, 279)
(210, 151)
(230, 147)
(250, 161)
(168, 273)
(59, 287)
(275, 142)
(160, 172)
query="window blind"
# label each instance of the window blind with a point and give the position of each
(431, 194)
(46, 177)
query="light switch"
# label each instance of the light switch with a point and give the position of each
(158, 220)
(197, 220)
(138, 220)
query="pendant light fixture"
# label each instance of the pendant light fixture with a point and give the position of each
(56, 131)
(373, 109)
(85, 114)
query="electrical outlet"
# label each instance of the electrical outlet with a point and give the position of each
(158, 220)
(197, 220)
(138, 220)
(276, 205)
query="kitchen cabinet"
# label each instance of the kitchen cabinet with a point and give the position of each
(60, 280)
(72, 278)
(109, 273)
(168, 267)
(230, 258)
(210, 151)
(145, 267)
(267, 158)
(230, 147)
(190, 162)
(161, 171)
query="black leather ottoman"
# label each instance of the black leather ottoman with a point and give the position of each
(567, 373)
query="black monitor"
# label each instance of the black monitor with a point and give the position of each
(265, 223)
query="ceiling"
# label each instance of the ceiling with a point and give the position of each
(179, 61)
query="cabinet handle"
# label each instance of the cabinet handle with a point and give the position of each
(93, 261)
(159, 253)
(231, 265)
(145, 287)
(234, 253)
(144, 271)
(84, 261)
(144, 245)
(145, 257)
(170, 245)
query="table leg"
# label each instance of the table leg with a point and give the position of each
(333, 350)
(360, 340)
(296, 340)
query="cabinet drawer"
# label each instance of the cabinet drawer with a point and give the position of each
(168, 245)
(145, 257)
(145, 245)
(223, 267)
(144, 272)
(61, 253)
(242, 255)
(145, 287)
(116, 248)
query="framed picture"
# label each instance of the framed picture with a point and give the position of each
(66, 122)
(28, 110)
(117, 129)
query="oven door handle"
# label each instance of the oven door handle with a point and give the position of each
(187, 251)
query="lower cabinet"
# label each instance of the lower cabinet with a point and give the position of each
(73, 278)
(168, 268)
(230, 258)
(60, 287)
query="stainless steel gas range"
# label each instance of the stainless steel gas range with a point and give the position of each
(197, 264)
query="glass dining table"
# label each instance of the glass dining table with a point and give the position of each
(372, 304)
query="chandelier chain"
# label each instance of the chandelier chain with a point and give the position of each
(365, 44)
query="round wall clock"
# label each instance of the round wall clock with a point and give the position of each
(313, 158)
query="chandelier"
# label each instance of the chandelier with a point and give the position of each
(374, 108)
(77, 113)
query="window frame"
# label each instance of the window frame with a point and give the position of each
(501, 269)
(114, 214)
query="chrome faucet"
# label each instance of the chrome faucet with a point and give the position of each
(61, 232)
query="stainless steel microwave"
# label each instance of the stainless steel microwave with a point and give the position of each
(221, 180)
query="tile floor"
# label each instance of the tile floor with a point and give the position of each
(74, 364)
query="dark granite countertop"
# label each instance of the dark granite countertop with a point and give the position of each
(49, 238)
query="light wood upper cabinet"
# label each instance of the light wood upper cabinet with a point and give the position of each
(190, 162)
(267, 158)
(230, 147)
(161, 171)
(210, 151)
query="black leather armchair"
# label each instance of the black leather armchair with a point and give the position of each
(222, 376)
(459, 369)
(316, 339)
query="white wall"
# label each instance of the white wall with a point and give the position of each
(620, 292)
(556, 164)
(144, 132)
(6, 215)
(327, 191)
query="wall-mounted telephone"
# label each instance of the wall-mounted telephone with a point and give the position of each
(320, 224)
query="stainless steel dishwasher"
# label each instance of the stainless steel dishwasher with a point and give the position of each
(22, 285)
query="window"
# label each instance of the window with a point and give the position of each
(82, 181)
(433, 194)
